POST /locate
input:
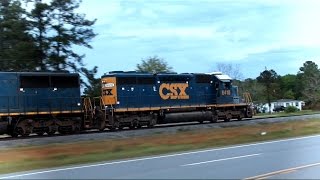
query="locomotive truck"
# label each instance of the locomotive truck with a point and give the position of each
(33, 102)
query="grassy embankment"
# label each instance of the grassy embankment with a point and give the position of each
(284, 114)
(27, 158)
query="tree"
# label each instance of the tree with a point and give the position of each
(40, 21)
(288, 86)
(57, 28)
(93, 87)
(310, 78)
(69, 29)
(256, 90)
(16, 45)
(153, 65)
(233, 70)
(268, 79)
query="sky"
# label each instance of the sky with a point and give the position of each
(194, 35)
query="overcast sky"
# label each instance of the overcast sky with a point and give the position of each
(194, 35)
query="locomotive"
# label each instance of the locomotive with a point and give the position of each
(39, 102)
(33, 102)
(136, 99)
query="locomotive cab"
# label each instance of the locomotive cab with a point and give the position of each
(226, 92)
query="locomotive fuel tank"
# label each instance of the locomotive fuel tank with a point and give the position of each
(186, 117)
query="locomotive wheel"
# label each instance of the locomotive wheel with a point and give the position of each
(25, 134)
(134, 124)
(115, 125)
(14, 134)
(153, 121)
(40, 133)
(50, 133)
(63, 132)
(240, 116)
(214, 119)
(76, 130)
(228, 117)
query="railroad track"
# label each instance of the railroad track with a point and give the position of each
(159, 126)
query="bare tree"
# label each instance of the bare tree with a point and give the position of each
(233, 70)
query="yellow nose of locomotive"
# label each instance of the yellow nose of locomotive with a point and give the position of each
(109, 90)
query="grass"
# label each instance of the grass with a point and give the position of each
(53, 155)
(284, 114)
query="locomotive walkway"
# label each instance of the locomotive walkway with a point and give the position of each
(289, 158)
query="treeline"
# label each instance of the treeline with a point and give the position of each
(268, 86)
(40, 36)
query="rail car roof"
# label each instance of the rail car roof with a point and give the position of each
(161, 74)
(223, 77)
(41, 73)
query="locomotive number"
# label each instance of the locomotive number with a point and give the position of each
(173, 91)
(225, 93)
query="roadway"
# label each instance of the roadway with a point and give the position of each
(297, 158)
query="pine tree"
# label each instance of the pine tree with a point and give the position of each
(16, 45)
(69, 29)
(40, 21)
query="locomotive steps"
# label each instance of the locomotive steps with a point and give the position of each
(85, 151)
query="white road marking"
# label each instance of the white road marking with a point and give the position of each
(217, 160)
(155, 157)
(283, 171)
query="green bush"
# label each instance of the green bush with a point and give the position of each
(291, 109)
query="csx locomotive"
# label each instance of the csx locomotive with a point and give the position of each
(50, 102)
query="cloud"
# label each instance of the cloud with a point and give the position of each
(194, 35)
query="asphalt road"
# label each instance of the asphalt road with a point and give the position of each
(297, 158)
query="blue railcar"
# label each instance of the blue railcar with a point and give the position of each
(169, 97)
(39, 102)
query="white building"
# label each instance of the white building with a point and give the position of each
(282, 103)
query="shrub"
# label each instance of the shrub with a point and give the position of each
(291, 109)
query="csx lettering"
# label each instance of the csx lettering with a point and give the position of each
(107, 92)
(173, 91)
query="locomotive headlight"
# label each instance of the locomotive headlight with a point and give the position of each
(79, 104)
(21, 90)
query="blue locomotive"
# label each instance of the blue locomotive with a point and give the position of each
(39, 102)
(47, 102)
(132, 99)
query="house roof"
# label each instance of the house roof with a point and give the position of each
(286, 100)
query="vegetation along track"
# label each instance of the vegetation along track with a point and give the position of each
(7, 142)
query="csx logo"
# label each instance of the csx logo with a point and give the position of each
(173, 91)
